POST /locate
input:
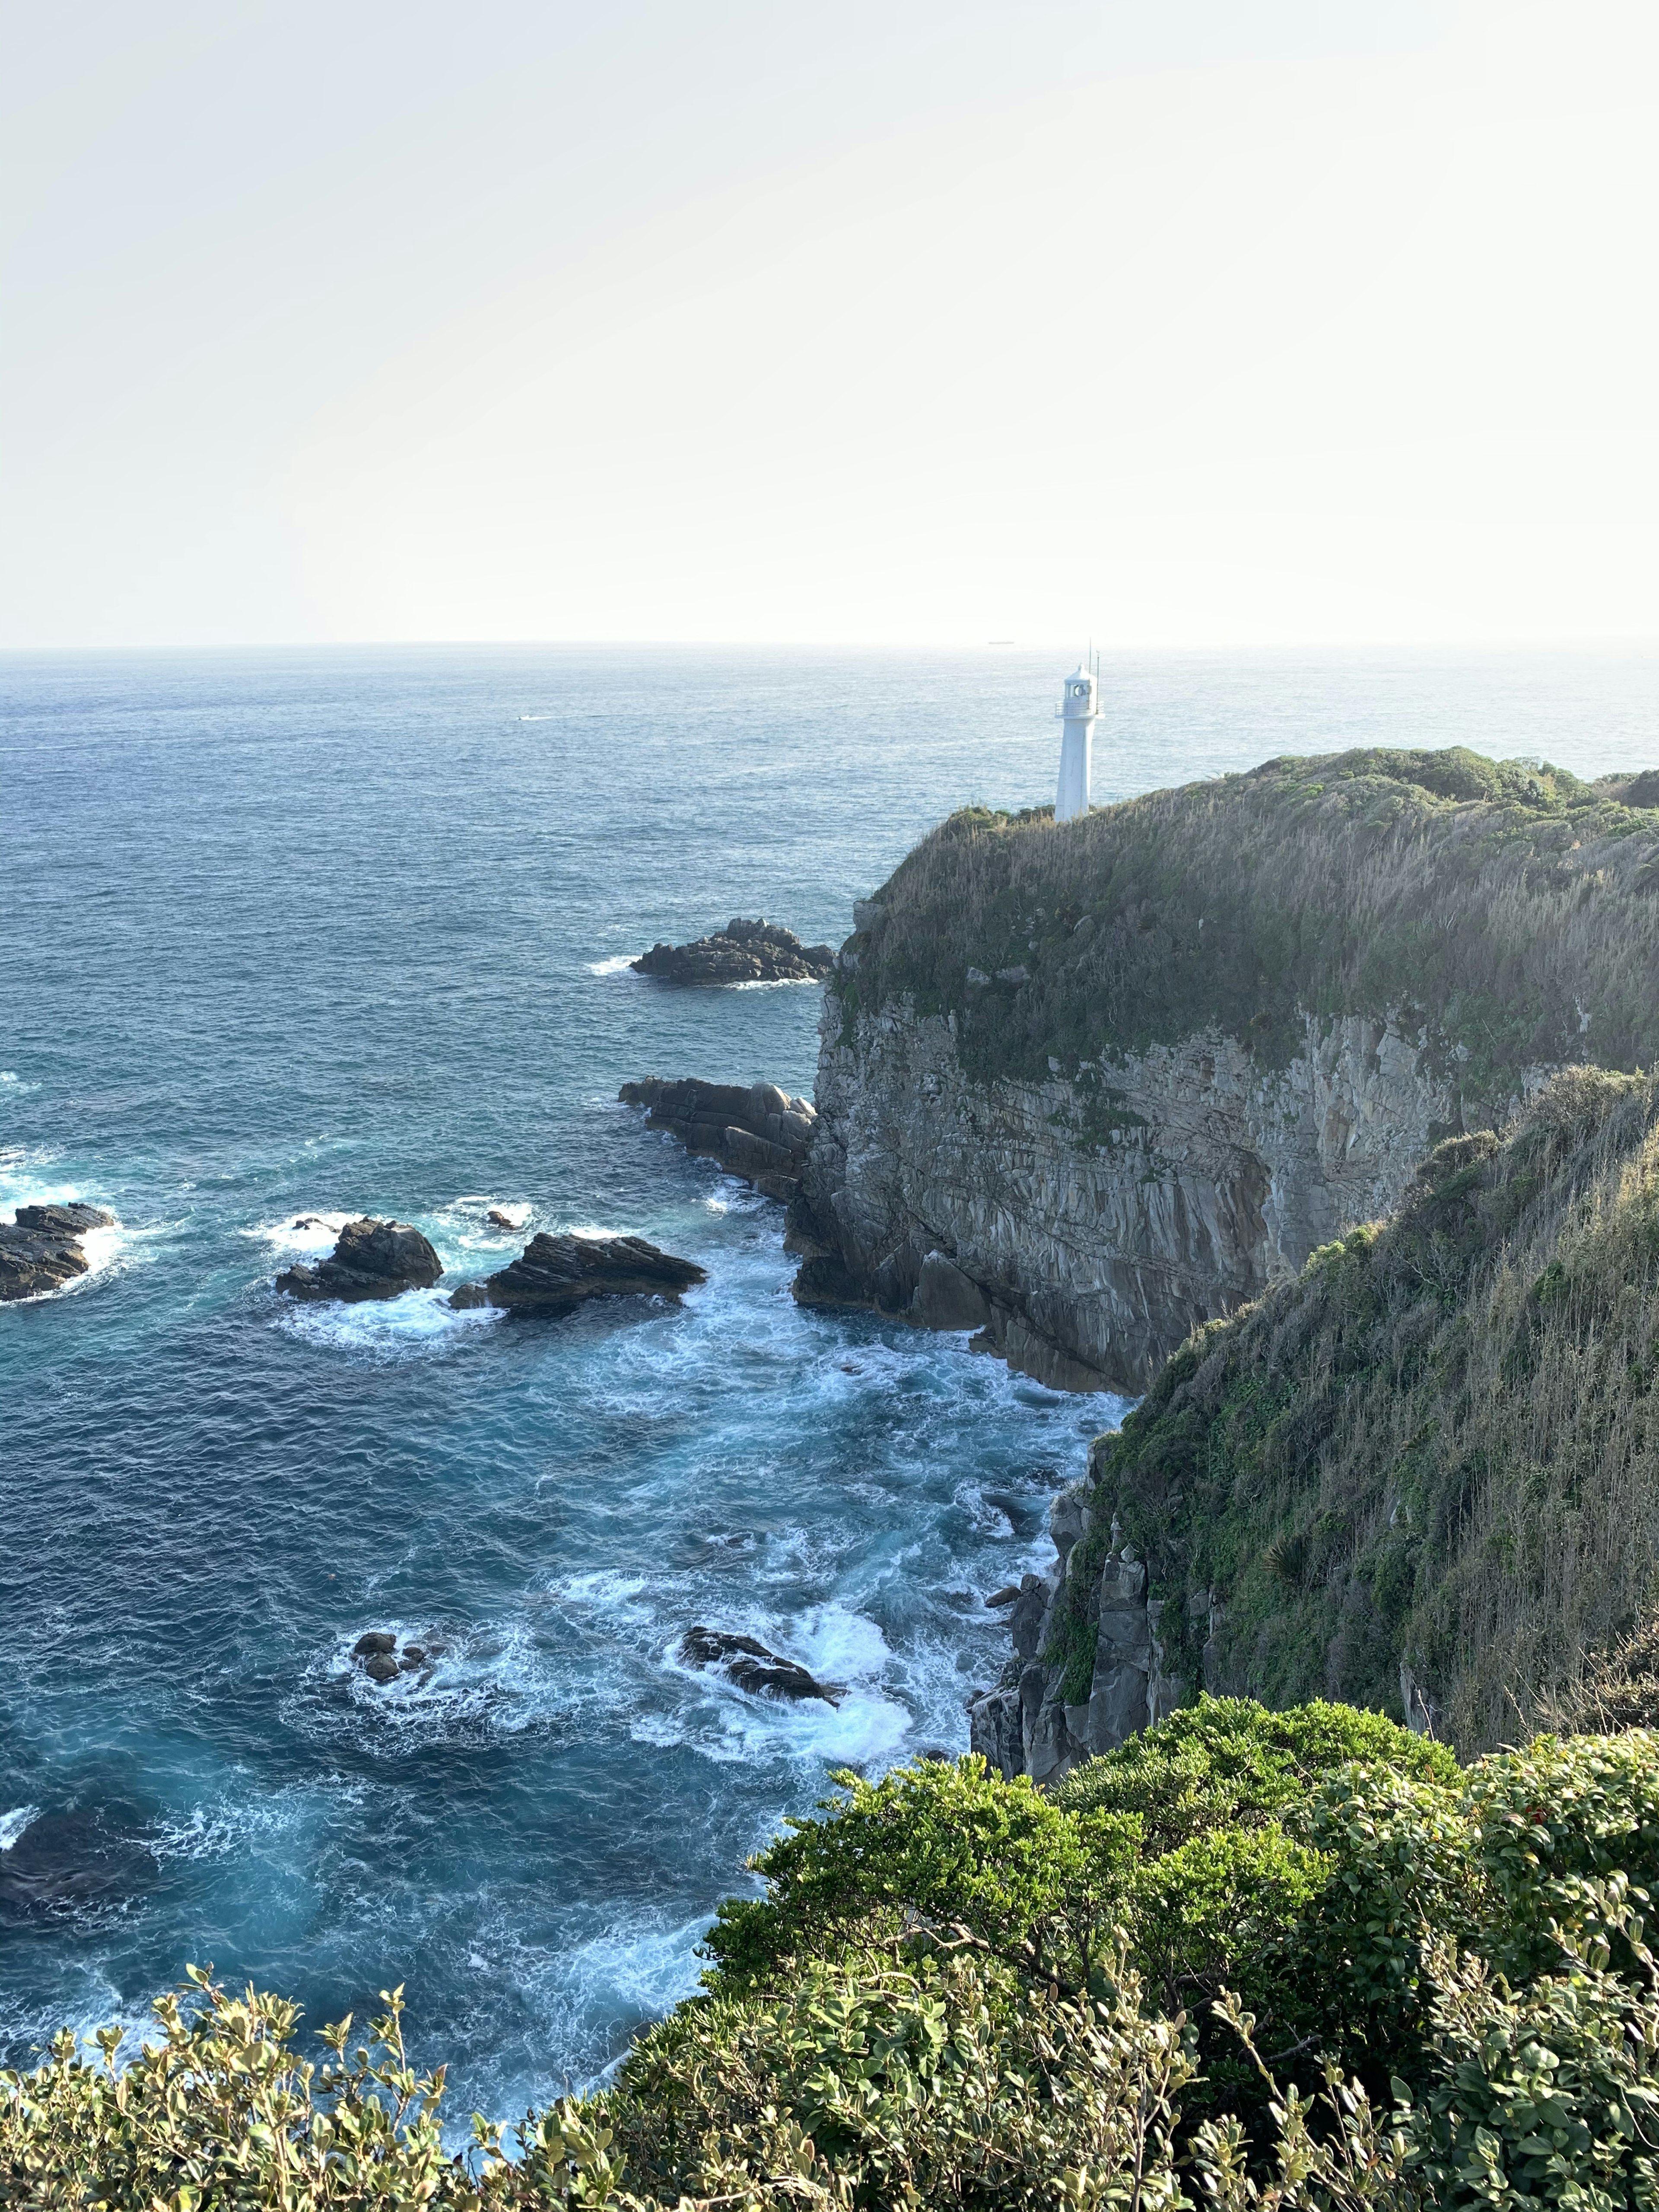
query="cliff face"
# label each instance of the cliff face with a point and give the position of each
(1423, 1477)
(1084, 1087)
(1087, 1247)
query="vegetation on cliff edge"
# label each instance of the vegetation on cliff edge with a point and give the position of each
(1507, 910)
(1290, 1960)
(1439, 1444)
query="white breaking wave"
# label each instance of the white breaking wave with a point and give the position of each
(616, 963)
(301, 1232)
(386, 1329)
(12, 1825)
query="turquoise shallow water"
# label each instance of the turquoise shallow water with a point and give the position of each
(342, 931)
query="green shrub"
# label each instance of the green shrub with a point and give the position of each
(220, 2112)
(1548, 2094)
(905, 2080)
(1553, 1823)
(1230, 1762)
(946, 1841)
(1218, 1912)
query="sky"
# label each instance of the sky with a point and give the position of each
(1165, 323)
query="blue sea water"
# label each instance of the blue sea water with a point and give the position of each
(342, 931)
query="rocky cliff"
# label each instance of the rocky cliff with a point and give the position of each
(1084, 1087)
(1423, 1477)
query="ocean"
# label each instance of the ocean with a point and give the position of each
(338, 931)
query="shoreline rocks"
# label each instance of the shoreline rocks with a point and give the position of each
(759, 1133)
(41, 1250)
(372, 1260)
(747, 1663)
(1026, 1725)
(757, 952)
(555, 1274)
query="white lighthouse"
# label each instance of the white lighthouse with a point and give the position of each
(1078, 711)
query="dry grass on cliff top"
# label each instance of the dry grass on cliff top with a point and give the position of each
(1510, 910)
(1440, 1444)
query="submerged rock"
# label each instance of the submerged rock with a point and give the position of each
(751, 1667)
(555, 1274)
(372, 1260)
(758, 1133)
(85, 1859)
(497, 1219)
(758, 951)
(41, 1250)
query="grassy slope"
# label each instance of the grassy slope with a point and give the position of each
(1510, 910)
(1441, 1441)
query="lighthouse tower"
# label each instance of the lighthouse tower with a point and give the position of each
(1079, 712)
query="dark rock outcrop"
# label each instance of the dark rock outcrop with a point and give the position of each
(757, 952)
(41, 1250)
(372, 1260)
(1026, 1725)
(377, 1656)
(555, 1274)
(760, 1134)
(751, 1667)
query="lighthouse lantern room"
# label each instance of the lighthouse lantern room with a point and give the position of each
(1079, 710)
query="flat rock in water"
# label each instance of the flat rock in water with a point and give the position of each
(751, 1667)
(758, 951)
(64, 1220)
(373, 1260)
(41, 1250)
(555, 1274)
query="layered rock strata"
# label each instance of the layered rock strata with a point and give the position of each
(1086, 1224)
(555, 1274)
(758, 951)
(1028, 1724)
(372, 1260)
(760, 1134)
(40, 1249)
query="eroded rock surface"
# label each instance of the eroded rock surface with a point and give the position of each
(555, 1274)
(41, 1250)
(758, 951)
(751, 1667)
(1085, 1225)
(761, 1133)
(1039, 1723)
(372, 1260)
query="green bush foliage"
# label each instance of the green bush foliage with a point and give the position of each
(944, 1841)
(1298, 1960)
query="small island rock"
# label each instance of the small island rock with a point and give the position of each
(555, 1274)
(758, 951)
(751, 1667)
(372, 1260)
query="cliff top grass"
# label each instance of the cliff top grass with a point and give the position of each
(1440, 1444)
(1506, 909)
